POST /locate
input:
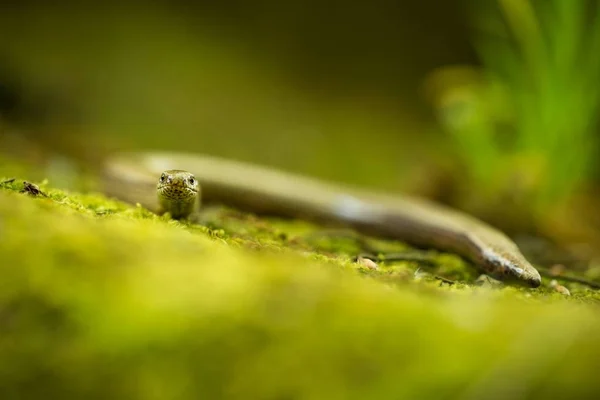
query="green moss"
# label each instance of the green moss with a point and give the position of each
(105, 300)
(335, 246)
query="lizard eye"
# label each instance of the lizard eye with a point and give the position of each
(162, 178)
(192, 181)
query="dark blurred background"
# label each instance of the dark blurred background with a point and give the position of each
(490, 106)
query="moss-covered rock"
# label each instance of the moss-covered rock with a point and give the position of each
(100, 299)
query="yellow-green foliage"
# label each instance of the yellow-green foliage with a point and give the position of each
(102, 300)
(528, 133)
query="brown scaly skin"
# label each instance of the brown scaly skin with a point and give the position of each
(178, 193)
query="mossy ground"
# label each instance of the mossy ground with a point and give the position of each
(101, 299)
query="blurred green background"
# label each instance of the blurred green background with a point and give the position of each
(302, 85)
(489, 106)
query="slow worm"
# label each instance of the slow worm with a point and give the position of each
(133, 177)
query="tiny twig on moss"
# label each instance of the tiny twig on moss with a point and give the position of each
(444, 280)
(569, 278)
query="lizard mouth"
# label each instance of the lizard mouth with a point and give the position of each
(522, 277)
(175, 192)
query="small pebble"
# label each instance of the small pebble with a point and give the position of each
(365, 262)
(559, 288)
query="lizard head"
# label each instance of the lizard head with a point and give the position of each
(178, 191)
